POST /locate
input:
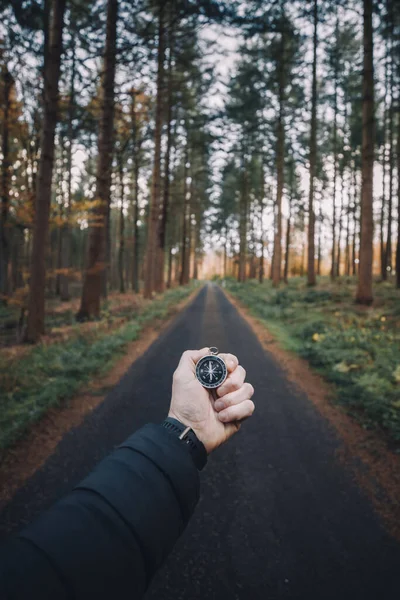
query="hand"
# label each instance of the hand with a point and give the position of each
(193, 405)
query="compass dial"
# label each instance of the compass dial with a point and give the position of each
(211, 371)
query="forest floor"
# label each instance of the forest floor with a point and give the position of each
(355, 348)
(35, 378)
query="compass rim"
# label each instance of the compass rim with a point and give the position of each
(218, 359)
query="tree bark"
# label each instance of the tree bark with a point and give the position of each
(388, 247)
(163, 223)
(97, 251)
(364, 288)
(335, 148)
(121, 248)
(398, 202)
(137, 143)
(313, 156)
(186, 225)
(66, 230)
(384, 164)
(319, 252)
(339, 244)
(262, 207)
(243, 226)
(154, 214)
(277, 254)
(8, 83)
(288, 227)
(37, 283)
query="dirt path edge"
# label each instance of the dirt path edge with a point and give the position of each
(374, 466)
(20, 461)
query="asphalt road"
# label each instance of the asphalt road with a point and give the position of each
(279, 516)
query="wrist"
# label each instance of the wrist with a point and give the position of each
(196, 430)
(188, 438)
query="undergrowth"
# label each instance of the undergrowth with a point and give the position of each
(51, 374)
(355, 348)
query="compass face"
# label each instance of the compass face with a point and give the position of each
(211, 371)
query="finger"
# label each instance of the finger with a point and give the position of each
(191, 357)
(245, 392)
(238, 412)
(233, 382)
(230, 360)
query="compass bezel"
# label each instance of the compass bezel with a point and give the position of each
(215, 358)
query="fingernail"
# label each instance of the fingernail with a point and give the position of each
(218, 405)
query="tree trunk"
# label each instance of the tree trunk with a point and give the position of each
(388, 249)
(287, 246)
(97, 252)
(354, 212)
(262, 207)
(37, 283)
(280, 159)
(347, 242)
(335, 148)
(186, 228)
(5, 187)
(66, 230)
(163, 223)
(313, 156)
(121, 248)
(398, 202)
(137, 143)
(225, 253)
(17, 255)
(154, 214)
(243, 226)
(384, 164)
(339, 244)
(364, 289)
(169, 276)
(319, 253)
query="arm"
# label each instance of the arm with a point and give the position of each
(111, 534)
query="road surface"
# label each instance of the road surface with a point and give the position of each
(279, 516)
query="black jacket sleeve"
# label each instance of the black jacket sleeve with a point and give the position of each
(110, 535)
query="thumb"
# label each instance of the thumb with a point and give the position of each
(191, 357)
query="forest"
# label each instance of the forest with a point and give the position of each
(151, 144)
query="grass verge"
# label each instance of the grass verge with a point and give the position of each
(51, 374)
(355, 348)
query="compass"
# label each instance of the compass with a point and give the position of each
(211, 370)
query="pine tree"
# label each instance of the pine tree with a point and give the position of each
(36, 305)
(96, 258)
(364, 288)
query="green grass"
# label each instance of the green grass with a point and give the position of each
(51, 374)
(355, 348)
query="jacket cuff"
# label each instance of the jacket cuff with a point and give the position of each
(173, 459)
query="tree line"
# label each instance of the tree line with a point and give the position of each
(313, 110)
(111, 170)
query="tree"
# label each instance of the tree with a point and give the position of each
(96, 258)
(311, 280)
(398, 207)
(36, 304)
(364, 287)
(7, 90)
(154, 214)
